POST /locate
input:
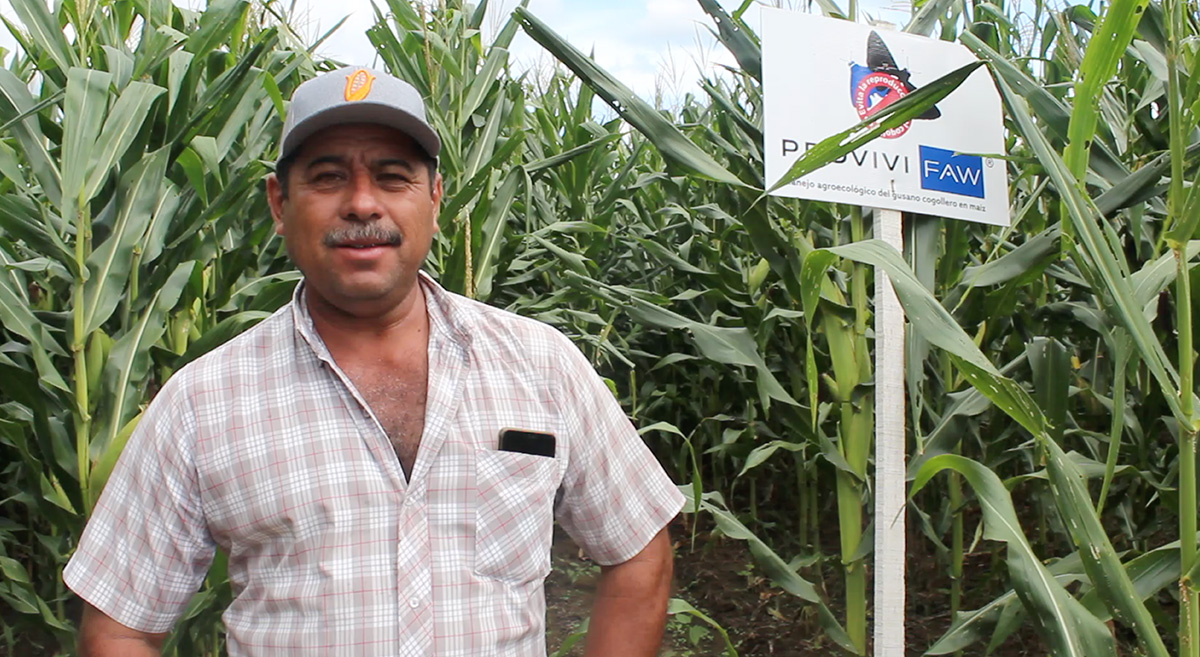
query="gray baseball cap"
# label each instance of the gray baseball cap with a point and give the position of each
(356, 95)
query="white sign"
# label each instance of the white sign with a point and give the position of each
(822, 76)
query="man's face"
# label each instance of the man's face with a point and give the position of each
(359, 216)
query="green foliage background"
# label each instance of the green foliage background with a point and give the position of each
(1050, 363)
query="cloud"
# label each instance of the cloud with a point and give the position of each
(674, 19)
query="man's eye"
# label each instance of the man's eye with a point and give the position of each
(326, 177)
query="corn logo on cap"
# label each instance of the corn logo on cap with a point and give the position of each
(356, 95)
(358, 84)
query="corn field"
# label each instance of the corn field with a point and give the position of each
(1052, 412)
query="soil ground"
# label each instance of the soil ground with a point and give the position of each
(718, 577)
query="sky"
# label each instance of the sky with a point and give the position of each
(650, 45)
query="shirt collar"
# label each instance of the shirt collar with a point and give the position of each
(446, 322)
(446, 319)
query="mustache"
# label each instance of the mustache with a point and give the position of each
(367, 233)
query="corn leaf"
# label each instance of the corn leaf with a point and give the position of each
(110, 264)
(1049, 110)
(1100, 560)
(124, 122)
(83, 115)
(21, 219)
(1002, 615)
(740, 41)
(728, 345)
(129, 360)
(1150, 573)
(933, 323)
(1104, 51)
(45, 32)
(492, 233)
(679, 606)
(17, 104)
(221, 17)
(927, 17)
(1068, 628)
(1110, 267)
(780, 572)
(672, 143)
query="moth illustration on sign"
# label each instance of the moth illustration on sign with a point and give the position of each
(880, 83)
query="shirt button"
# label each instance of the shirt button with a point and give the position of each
(414, 603)
(410, 500)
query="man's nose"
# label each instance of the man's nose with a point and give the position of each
(362, 202)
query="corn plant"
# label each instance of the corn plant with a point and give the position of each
(1044, 368)
(479, 111)
(133, 237)
(1093, 298)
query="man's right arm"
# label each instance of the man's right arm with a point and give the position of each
(101, 636)
(146, 548)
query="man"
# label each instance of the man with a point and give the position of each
(380, 459)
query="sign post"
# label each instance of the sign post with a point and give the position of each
(821, 77)
(890, 493)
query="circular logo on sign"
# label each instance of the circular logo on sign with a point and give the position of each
(876, 91)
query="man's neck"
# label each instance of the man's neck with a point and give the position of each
(384, 336)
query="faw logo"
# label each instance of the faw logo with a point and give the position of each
(950, 172)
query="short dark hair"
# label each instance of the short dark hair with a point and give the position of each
(284, 167)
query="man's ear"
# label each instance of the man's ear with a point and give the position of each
(275, 200)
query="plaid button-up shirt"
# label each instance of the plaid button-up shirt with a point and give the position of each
(265, 448)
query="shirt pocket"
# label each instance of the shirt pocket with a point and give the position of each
(514, 517)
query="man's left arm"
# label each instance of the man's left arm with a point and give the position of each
(631, 603)
(616, 503)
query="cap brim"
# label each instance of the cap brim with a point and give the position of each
(363, 112)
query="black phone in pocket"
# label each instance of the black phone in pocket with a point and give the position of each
(527, 442)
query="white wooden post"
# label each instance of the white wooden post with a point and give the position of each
(890, 489)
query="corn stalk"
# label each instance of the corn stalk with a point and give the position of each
(1183, 218)
(131, 156)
